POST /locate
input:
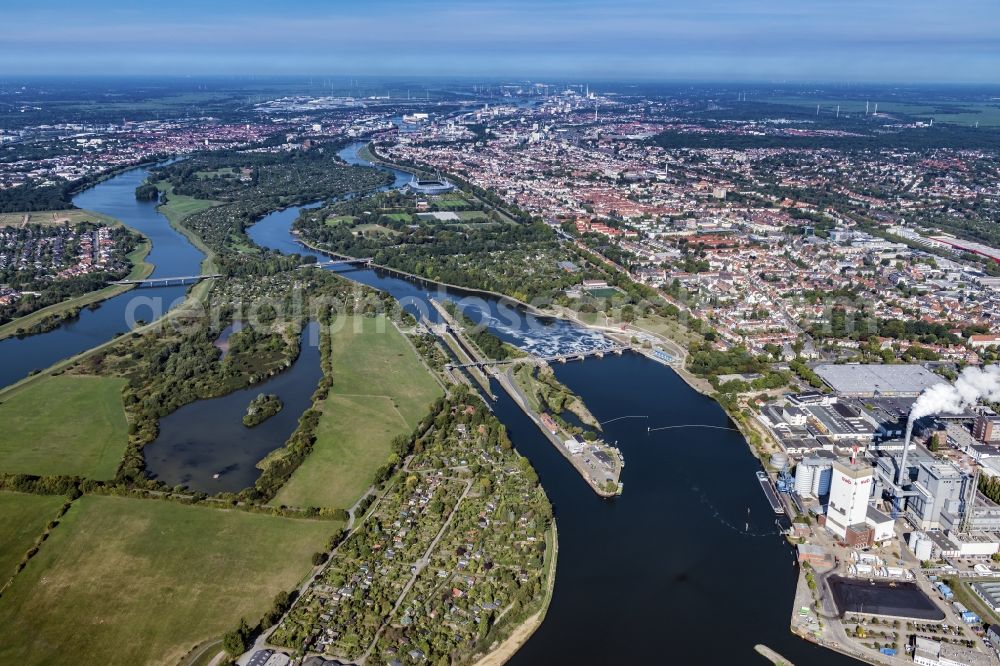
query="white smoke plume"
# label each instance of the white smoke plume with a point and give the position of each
(973, 385)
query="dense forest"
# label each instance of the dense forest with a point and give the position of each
(29, 198)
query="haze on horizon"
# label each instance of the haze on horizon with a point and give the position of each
(789, 40)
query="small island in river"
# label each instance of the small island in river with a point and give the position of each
(261, 409)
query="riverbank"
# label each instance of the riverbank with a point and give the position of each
(750, 429)
(176, 209)
(503, 652)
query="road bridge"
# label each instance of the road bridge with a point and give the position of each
(341, 262)
(191, 279)
(168, 281)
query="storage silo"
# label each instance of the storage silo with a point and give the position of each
(779, 461)
(924, 548)
(804, 473)
(822, 476)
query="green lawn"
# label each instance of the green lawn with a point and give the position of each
(64, 425)
(22, 520)
(380, 390)
(180, 206)
(139, 581)
(450, 200)
(339, 219)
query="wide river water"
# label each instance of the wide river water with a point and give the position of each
(687, 566)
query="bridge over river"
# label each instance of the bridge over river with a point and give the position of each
(191, 279)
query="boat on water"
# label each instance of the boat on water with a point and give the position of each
(769, 492)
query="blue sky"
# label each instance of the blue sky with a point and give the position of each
(762, 40)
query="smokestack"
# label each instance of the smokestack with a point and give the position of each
(973, 385)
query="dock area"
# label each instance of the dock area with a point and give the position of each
(598, 463)
(770, 493)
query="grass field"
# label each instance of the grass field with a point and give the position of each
(179, 206)
(400, 217)
(132, 581)
(450, 200)
(334, 220)
(54, 217)
(380, 390)
(64, 425)
(22, 520)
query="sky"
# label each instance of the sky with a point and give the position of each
(668, 40)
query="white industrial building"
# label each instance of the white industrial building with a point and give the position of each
(850, 488)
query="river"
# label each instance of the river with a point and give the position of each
(171, 255)
(686, 566)
(673, 571)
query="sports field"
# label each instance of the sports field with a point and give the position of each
(141, 581)
(22, 520)
(64, 425)
(380, 390)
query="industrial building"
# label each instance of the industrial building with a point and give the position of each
(929, 652)
(808, 422)
(987, 428)
(932, 493)
(921, 545)
(938, 499)
(868, 380)
(814, 474)
(849, 515)
(989, 592)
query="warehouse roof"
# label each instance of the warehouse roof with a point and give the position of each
(857, 379)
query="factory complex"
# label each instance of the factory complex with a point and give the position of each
(889, 492)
